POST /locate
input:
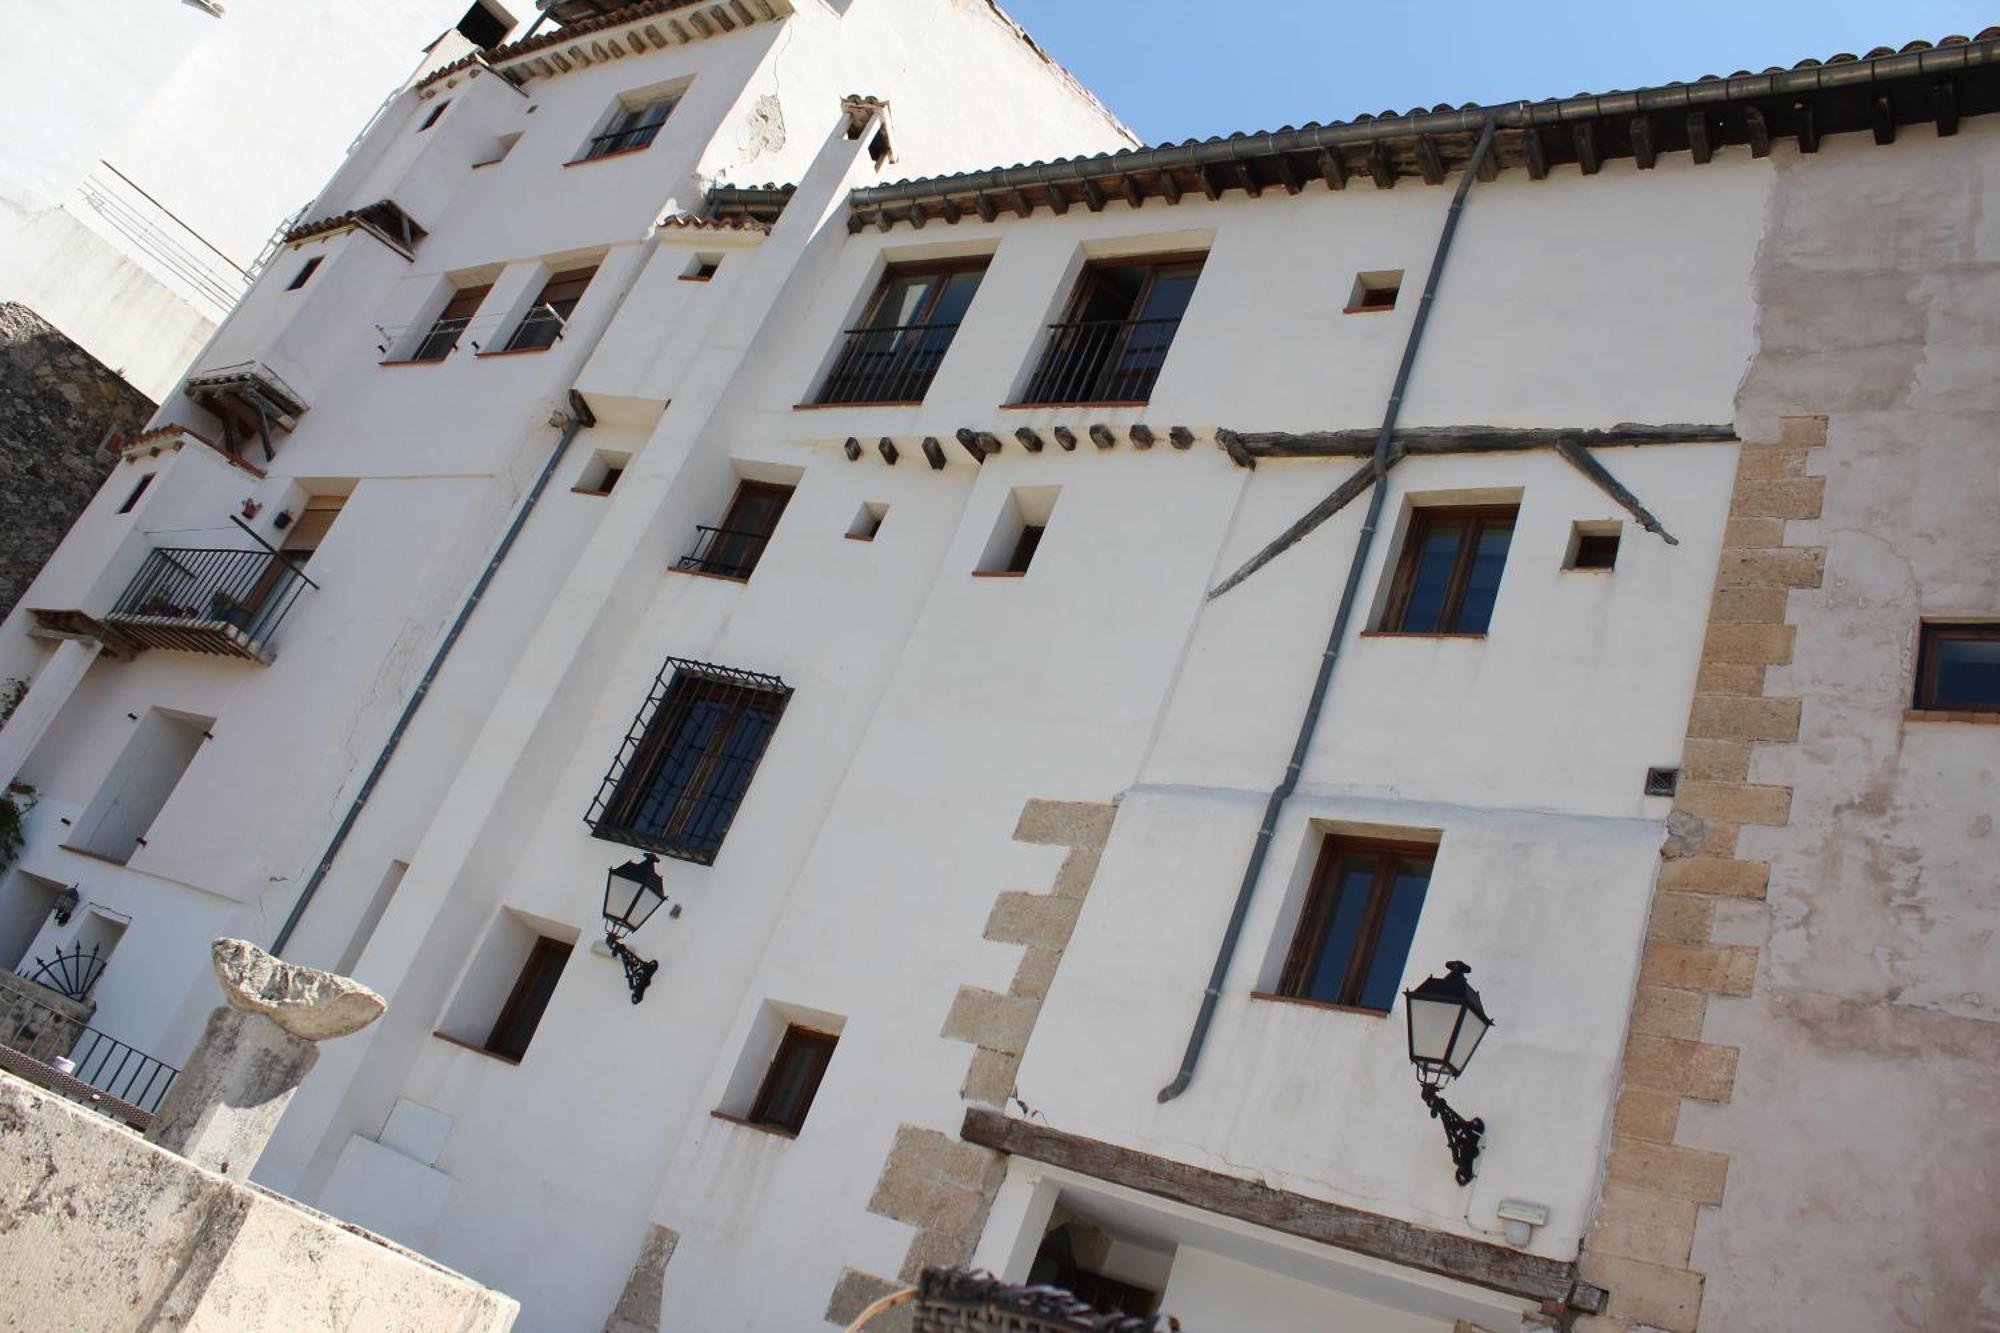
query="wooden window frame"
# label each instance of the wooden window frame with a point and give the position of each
(914, 330)
(305, 273)
(1321, 897)
(511, 1012)
(1025, 547)
(1928, 634)
(582, 277)
(796, 1034)
(1422, 519)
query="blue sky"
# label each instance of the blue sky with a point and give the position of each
(1178, 69)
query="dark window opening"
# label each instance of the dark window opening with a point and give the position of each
(522, 1013)
(894, 353)
(733, 549)
(546, 319)
(1360, 913)
(443, 334)
(304, 275)
(1593, 548)
(609, 479)
(632, 128)
(1375, 291)
(703, 268)
(1958, 668)
(688, 759)
(878, 147)
(483, 27)
(1059, 1262)
(432, 118)
(138, 490)
(1024, 549)
(793, 1079)
(867, 521)
(1449, 574)
(1662, 781)
(1114, 340)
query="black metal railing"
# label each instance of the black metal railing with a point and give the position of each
(541, 327)
(627, 140)
(731, 553)
(1102, 361)
(181, 594)
(441, 338)
(887, 365)
(74, 974)
(45, 1035)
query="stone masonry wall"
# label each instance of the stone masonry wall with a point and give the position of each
(57, 405)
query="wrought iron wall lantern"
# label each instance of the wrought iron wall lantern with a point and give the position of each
(632, 893)
(1447, 1023)
(66, 903)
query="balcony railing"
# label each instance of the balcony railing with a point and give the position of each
(101, 1070)
(1102, 361)
(887, 365)
(209, 601)
(729, 553)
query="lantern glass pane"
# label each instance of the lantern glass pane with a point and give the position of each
(1431, 1024)
(1470, 1033)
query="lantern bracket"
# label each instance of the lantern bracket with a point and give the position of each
(638, 971)
(1461, 1136)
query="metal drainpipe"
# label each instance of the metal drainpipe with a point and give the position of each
(578, 417)
(1348, 594)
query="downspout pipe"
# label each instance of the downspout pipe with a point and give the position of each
(578, 417)
(1380, 461)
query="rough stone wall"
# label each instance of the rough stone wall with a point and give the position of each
(40, 1022)
(57, 404)
(941, 1186)
(1804, 1139)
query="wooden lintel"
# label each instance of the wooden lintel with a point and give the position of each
(1641, 133)
(1102, 437)
(1065, 437)
(852, 448)
(1882, 120)
(1757, 132)
(1360, 443)
(887, 447)
(969, 440)
(1142, 436)
(1805, 126)
(1944, 108)
(1332, 169)
(1428, 161)
(1480, 1263)
(1058, 201)
(1181, 437)
(1380, 167)
(1170, 187)
(1209, 186)
(1248, 179)
(1093, 197)
(1023, 206)
(1029, 439)
(1698, 143)
(984, 207)
(934, 453)
(1584, 135)
(1128, 186)
(1281, 167)
(1532, 153)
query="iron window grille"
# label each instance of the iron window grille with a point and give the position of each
(687, 761)
(895, 352)
(1114, 341)
(633, 128)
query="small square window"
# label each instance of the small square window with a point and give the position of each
(529, 999)
(304, 275)
(1017, 532)
(1375, 290)
(432, 118)
(1958, 668)
(601, 473)
(701, 268)
(1449, 575)
(1360, 915)
(1593, 546)
(1662, 781)
(867, 521)
(138, 489)
(793, 1079)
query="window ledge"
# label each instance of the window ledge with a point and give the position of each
(606, 157)
(999, 573)
(413, 361)
(872, 402)
(489, 162)
(1319, 1004)
(1079, 402)
(775, 1131)
(1586, 569)
(585, 490)
(98, 856)
(696, 277)
(1368, 310)
(465, 1045)
(1982, 717)
(859, 537)
(705, 574)
(1417, 634)
(515, 351)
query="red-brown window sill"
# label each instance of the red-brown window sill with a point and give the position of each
(1318, 1004)
(1983, 717)
(606, 157)
(1368, 310)
(1089, 402)
(413, 361)
(1414, 634)
(491, 161)
(464, 1045)
(705, 574)
(999, 573)
(514, 351)
(858, 537)
(775, 1131)
(884, 402)
(695, 277)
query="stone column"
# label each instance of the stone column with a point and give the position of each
(253, 1055)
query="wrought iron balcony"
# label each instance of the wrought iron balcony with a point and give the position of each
(1102, 361)
(228, 602)
(887, 365)
(102, 1072)
(730, 553)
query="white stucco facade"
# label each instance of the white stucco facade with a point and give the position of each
(933, 710)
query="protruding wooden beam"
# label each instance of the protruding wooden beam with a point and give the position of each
(1332, 169)
(1227, 441)
(1534, 154)
(969, 440)
(917, 216)
(1357, 481)
(1142, 436)
(1023, 206)
(1281, 167)
(1698, 143)
(1641, 134)
(1029, 439)
(1428, 161)
(1757, 132)
(984, 207)
(950, 210)
(1102, 437)
(1380, 167)
(1058, 201)
(934, 453)
(1583, 461)
(1209, 186)
(883, 221)
(1584, 135)
(1128, 186)
(852, 448)
(1489, 167)
(1170, 187)
(855, 222)
(1247, 179)
(1093, 198)
(887, 447)
(1882, 120)
(1805, 126)
(1066, 438)
(1944, 108)
(1181, 437)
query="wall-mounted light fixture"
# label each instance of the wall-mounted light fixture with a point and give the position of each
(66, 903)
(1447, 1023)
(632, 893)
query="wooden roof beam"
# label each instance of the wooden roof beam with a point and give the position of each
(1882, 120)
(1093, 198)
(1944, 108)
(1023, 206)
(888, 449)
(1643, 150)
(1698, 143)
(1333, 170)
(934, 453)
(1428, 161)
(1534, 155)
(984, 207)
(1208, 183)
(1281, 166)
(1128, 185)
(1057, 200)
(1170, 187)
(1029, 439)
(1757, 132)
(1584, 135)
(1804, 126)
(1247, 179)
(1380, 167)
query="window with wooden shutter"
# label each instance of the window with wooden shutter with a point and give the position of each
(451, 321)
(545, 320)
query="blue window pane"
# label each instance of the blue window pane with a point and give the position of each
(1425, 612)
(1328, 968)
(679, 758)
(1968, 671)
(1399, 924)
(716, 803)
(1483, 587)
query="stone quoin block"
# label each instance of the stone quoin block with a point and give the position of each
(1669, 1299)
(1646, 1113)
(1640, 1224)
(1715, 760)
(1745, 604)
(1729, 678)
(1680, 918)
(1778, 497)
(1772, 567)
(1737, 802)
(1768, 461)
(1666, 1011)
(1764, 645)
(1667, 1168)
(1689, 1068)
(1035, 919)
(989, 1080)
(1744, 719)
(1723, 969)
(1723, 877)
(854, 1292)
(988, 1018)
